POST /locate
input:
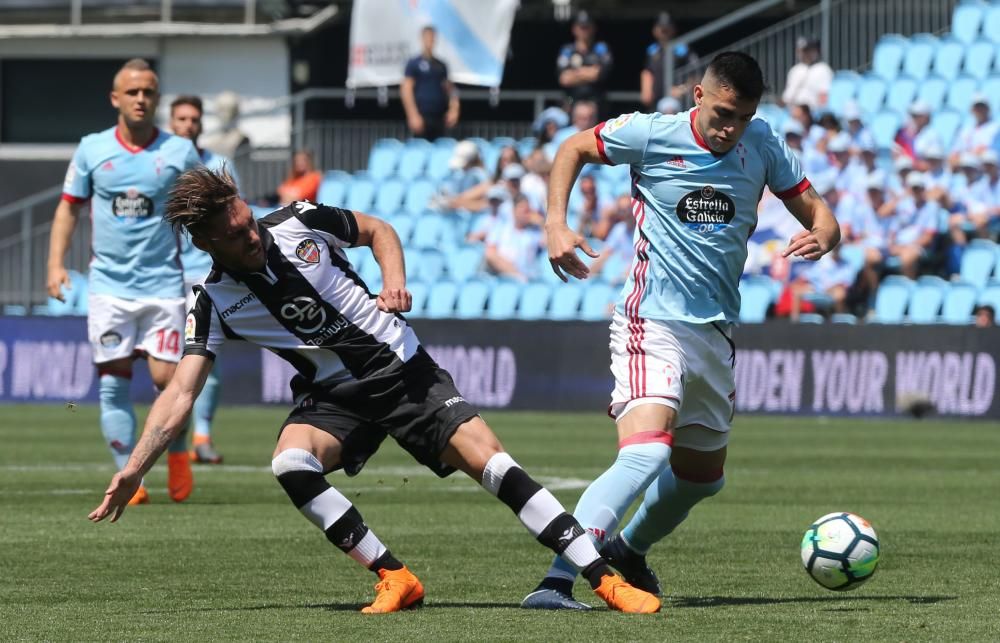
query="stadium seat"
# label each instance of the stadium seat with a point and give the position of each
(926, 300)
(503, 299)
(978, 261)
(871, 94)
(979, 58)
(384, 158)
(389, 198)
(534, 301)
(403, 225)
(597, 301)
(441, 300)
(429, 231)
(891, 299)
(432, 267)
(418, 293)
(990, 296)
(413, 160)
(371, 274)
(901, 93)
(959, 303)
(842, 89)
(756, 296)
(411, 257)
(417, 196)
(920, 55)
(464, 262)
(991, 23)
(933, 91)
(811, 318)
(15, 310)
(360, 195)
(504, 141)
(946, 123)
(888, 56)
(884, 126)
(437, 164)
(565, 302)
(333, 188)
(991, 87)
(843, 318)
(471, 303)
(948, 58)
(960, 93)
(966, 21)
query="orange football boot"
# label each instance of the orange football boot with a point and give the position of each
(621, 596)
(141, 497)
(398, 590)
(180, 481)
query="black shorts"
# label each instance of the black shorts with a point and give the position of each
(417, 404)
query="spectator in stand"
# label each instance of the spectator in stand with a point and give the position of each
(855, 127)
(535, 182)
(473, 199)
(513, 245)
(583, 117)
(831, 276)
(937, 175)
(618, 251)
(496, 196)
(839, 156)
(903, 165)
(860, 167)
(914, 226)
(808, 81)
(467, 169)
(303, 179)
(972, 204)
(978, 136)
(429, 98)
(589, 208)
(547, 123)
(584, 65)
(651, 78)
(916, 136)
(843, 205)
(989, 184)
(986, 317)
(870, 227)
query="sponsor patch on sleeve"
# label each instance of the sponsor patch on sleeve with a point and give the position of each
(616, 123)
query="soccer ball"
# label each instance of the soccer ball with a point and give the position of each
(840, 551)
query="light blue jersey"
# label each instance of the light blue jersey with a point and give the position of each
(694, 211)
(195, 262)
(134, 249)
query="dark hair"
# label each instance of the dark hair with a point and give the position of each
(986, 308)
(187, 99)
(740, 72)
(198, 196)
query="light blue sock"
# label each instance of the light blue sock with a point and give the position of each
(664, 507)
(604, 503)
(207, 402)
(117, 417)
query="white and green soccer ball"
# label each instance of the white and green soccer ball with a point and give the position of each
(840, 551)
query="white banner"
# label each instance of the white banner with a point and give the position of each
(472, 38)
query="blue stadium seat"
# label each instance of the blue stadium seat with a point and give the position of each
(371, 274)
(920, 55)
(358, 257)
(504, 141)
(418, 292)
(360, 195)
(991, 87)
(465, 262)
(503, 299)
(437, 164)
(417, 196)
(979, 58)
(428, 231)
(411, 257)
(960, 93)
(978, 262)
(891, 300)
(441, 300)
(597, 301)
(843, 318)
(565, 302)
(534, 302)
(966, 21)
(756, 296)
(871, 94)
(888, 56)
(403, 225)
(990, 296)
(544, 271)
(389, 198)
(946, 123)
(902, 91)
(472, 298)
(926, 300)
(333, 188)
(843, 89)
(413, 160)
(15, 310)
(811, 318)
(932, 91)
(433, 266)
(948, 58)
(384, 158)
(991, 24)
(959, 303)
(884, 126)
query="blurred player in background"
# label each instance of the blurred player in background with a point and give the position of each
(185, 120)
(136, 305)
(285, 284)
(697, 180)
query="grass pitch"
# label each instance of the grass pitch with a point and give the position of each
(237, 562)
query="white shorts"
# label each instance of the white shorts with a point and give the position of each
(688, 367)
(119, 328)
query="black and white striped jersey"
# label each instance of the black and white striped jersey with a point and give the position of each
(308, 305)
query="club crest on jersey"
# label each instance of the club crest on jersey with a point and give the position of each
(706, 209)
(308, 251)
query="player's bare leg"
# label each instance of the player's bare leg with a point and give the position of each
(475, 450)
(302, 456)
(180, 479)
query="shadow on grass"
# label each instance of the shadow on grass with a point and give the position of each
(721, 601)
(330, 607)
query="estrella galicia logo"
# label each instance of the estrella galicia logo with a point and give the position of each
(131, 204)
(308, 251)
(306, 313)
(110, 339)
(706, 210)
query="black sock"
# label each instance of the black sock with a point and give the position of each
(595, 571)
(561, 585)
(386, 561)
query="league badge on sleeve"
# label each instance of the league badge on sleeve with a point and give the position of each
(616, 123)
(308, 251)
(189, 326)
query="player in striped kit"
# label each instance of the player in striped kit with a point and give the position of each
(697, 178)
(285, 284)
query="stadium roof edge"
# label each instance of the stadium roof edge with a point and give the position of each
(290, 26)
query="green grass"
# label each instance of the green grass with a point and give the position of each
(237, 562)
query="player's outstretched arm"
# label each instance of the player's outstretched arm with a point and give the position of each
(562, 242)
(63, 225)
(822, 232)
(388, 252)
(166, 419)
